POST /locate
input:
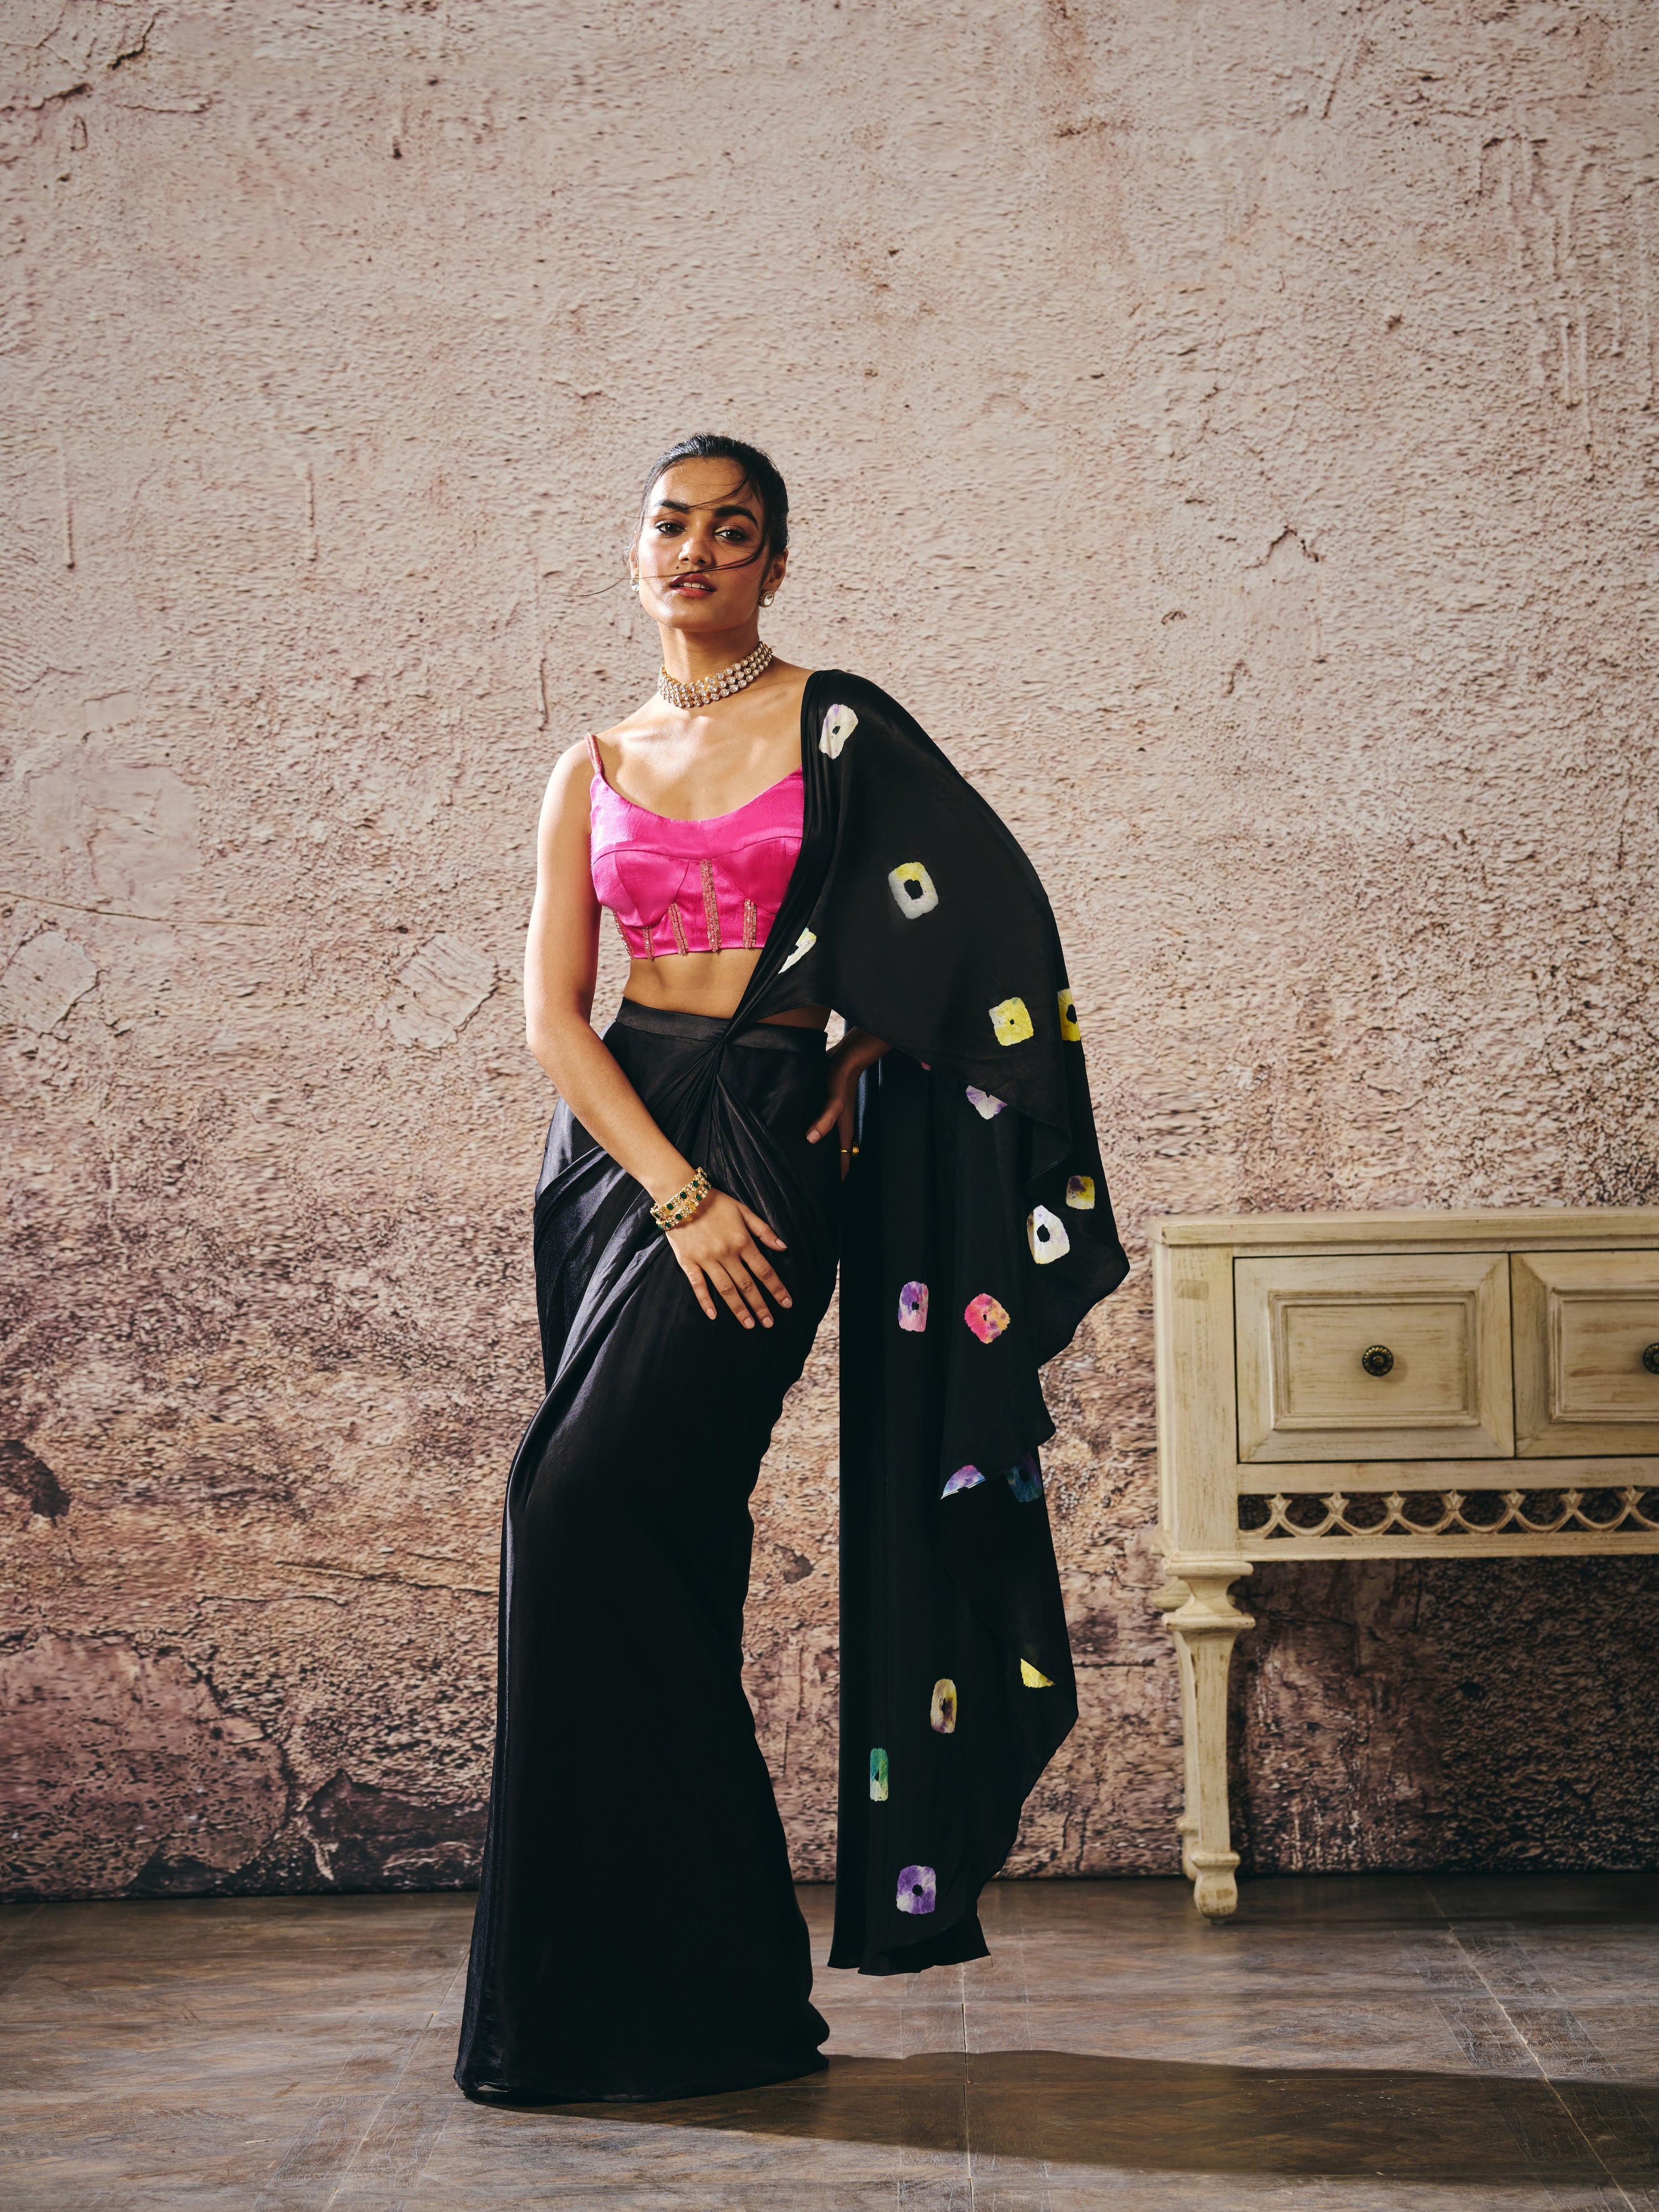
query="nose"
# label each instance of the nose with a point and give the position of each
(696, 552)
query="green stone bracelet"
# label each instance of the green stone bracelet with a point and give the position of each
(672, 1213)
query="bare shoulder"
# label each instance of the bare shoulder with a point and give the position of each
(646, 716)
(574, 768)
(569, 786)
(791, 682)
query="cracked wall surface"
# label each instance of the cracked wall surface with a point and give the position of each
(1222, 425)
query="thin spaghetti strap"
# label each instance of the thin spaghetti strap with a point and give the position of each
(594, 755)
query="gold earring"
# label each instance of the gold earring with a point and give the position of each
(767, 598)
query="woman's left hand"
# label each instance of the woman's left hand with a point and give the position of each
(857, 1050)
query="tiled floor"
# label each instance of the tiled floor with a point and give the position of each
(1349, 2044)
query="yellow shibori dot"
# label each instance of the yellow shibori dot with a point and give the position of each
(1011, 1018)
(1080, 1193)
(804, 945)
(1068, 1021)
(1032, 1679)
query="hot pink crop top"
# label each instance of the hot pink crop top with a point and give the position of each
(706, 886)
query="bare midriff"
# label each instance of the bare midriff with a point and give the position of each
(708, 983)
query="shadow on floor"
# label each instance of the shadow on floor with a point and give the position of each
(1157, 2116)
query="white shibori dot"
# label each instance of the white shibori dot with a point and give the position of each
(1045, 1233)
(913, 889)
(839, 724)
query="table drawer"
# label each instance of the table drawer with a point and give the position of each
(1436, 1325)
(1582, 1322)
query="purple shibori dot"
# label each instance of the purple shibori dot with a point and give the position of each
(985, 1103)
(918, 1889)
(986, 1317)
(912, 1308)
(965, 1478)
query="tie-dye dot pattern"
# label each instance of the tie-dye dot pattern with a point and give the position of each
(878, 1778)
(918, 1889)
(975, 989)
(912, 1308)
(986, 1317)
(1045, 1233)
(1080, 1193)
(1032, 1678)
(1069, 1025)
(1026, 1481)
(942, 1713)
(804, 945)
(1012, 1020)
(839, 724)
(913, 889)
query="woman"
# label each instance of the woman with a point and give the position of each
(773, 843)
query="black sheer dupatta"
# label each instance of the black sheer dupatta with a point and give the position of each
(977, 1232)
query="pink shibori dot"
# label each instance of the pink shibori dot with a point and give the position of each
(986, 1317)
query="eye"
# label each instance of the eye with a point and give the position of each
(665, 528)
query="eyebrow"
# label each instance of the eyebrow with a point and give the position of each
(684, 506)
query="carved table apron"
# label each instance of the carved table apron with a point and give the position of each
(1387, 1385)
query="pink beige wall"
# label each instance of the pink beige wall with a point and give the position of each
(1221, 424)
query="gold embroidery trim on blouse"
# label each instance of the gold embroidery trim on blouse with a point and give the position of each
(711, 913)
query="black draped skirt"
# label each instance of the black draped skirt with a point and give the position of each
(637, 1935)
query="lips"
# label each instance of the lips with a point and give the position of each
(695, 587)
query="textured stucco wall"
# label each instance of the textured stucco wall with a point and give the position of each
(1221, 424)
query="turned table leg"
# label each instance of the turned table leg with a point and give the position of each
(1204, 1623)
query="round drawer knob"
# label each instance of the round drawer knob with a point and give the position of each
(1650, 1357)
(1377, 1359)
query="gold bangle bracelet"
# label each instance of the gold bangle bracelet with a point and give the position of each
(674, 1211)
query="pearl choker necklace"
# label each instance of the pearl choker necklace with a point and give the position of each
(707, 689)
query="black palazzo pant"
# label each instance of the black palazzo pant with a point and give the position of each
(637, 1935)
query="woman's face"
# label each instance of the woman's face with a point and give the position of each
(699, 556)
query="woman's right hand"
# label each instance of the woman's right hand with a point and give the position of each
(720, 1250)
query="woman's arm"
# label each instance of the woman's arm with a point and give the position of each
(719, 1247)
(857, 1050)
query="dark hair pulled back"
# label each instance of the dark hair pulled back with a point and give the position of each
(760, 475)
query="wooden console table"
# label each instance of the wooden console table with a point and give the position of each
(1357, 1386)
